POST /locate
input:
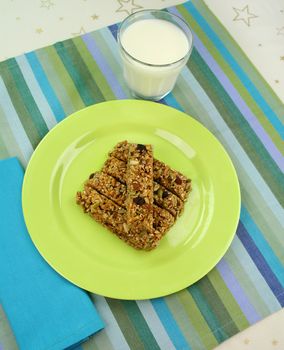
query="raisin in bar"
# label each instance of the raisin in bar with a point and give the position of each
(171, 179)
(113, 217)
(139, 182)
(162, 197)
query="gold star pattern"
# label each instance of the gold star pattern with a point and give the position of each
(276, 81)
(82, 31)
(246, 341)
(47, 4)
(61, 18)
(18, 18)
(281, 58)
(280, 31)
(39, 30)
(128, 6)
(274, 342)
(244, 15)
(94, 17)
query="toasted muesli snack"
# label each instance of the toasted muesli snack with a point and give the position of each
(139, 183)
(171, 179)
(113, 217)
(162, 197)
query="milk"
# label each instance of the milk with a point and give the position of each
(153, 51)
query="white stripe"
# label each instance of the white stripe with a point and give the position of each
(36, 92)
(15, 123)
(112, 329)
(155, 325)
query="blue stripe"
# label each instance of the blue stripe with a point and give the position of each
(262, 245)
(170, 324)
(114, 28)
(45, 86)
(238, 70)
(261, 263)
(172, 102)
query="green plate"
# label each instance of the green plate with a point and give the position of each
(89, 255)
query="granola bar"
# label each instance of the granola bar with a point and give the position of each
(171, 179)
(162, 197)
(139, 181)
(113, 217)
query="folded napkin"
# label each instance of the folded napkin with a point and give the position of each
(45, 311)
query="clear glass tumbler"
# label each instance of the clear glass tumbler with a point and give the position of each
(152, 80)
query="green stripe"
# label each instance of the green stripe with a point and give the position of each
(197, 319)
(140, 325)
(3, 151)
(217, 306)
(27, 98)
(7, 139)
(235, 80)
(112, 61)
(247, 284)
(94, 69)
(79, 72)
(125, 324)
(227, 299)
(234, 119)
(60, 80)
(207, 313)
(257, 79)
(8, 341)
(22, 112)
(184, 321)
(268, 224)
(99, 341)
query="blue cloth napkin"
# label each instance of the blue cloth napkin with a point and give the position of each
(45, 311)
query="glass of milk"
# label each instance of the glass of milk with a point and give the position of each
(154, 45)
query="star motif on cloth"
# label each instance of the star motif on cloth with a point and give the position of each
(39, 30)
(281, 58)
(244, 15)
(274, 342)
(128, 6)
(280, 31)
(82, 31)
(94, 17)
(47, 4)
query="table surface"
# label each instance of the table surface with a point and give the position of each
(256, 26)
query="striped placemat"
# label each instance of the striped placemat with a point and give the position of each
(220, 88)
